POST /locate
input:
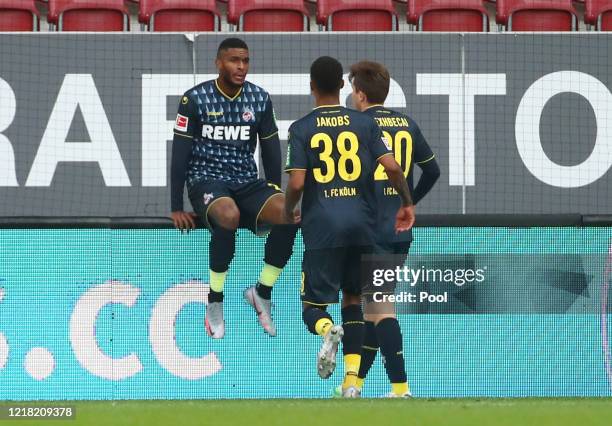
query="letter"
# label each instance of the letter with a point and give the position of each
(207, 131)
(218, 133)
(156, 129)
(459, 277)
(462, 161)
(377, 296)
(245, 133)
(437, 275)
(83, 331)
(162, 333)
(234, 132)
(78, 90)
(480, 275)
(8, 108)
(377, 277)
(527, 129)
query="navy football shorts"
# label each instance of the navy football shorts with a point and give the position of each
(250, 198)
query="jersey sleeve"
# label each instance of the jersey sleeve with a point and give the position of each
(182, 142)
(185, 123)
(377, 143)
(296, 152)
(267, 127)
(271, 159)
(421, 151)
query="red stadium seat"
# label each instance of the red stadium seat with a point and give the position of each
(179, 15)
(357, 15)
(18, 15)
(599, 13)
(448, 15)
(89, 15)
(537, 15)
(268, 15)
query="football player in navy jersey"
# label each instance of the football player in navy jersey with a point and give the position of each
(370, 81)
(332, 156)
(215, 135)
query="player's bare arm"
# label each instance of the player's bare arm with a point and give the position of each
(293, 193)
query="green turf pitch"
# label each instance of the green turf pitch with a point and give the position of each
(370, 412)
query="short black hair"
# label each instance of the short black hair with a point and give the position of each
(231, 43)
(326, 74)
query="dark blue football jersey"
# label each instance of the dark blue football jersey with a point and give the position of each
(338, 148)
(224, 131)
(409, 147)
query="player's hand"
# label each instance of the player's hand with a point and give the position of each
(404, 219)
(292, 218)
(184, 221)
(297, 216)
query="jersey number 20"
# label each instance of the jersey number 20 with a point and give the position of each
(401, 142)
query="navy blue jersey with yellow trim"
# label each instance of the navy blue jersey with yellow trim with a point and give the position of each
(409, 147)
(224, 131)
(338, 148)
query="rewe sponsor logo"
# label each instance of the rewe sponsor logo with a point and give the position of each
(226, 133)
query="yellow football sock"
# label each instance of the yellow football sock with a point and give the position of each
(323, 325)
(351, 369)
(269, 275)
(217, 280)
(399, 388)
(359, 383)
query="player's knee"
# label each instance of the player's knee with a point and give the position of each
(228, 217)
(312, 314)
(272, 212)
(278, 203)
(307, 306)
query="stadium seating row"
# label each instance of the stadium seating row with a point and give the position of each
(292, 15)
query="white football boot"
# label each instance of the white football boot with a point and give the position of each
(215, 324)
(326, 358)
(262, 307)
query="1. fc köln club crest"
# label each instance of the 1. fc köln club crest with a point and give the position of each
(207, 198)
(248, 114)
